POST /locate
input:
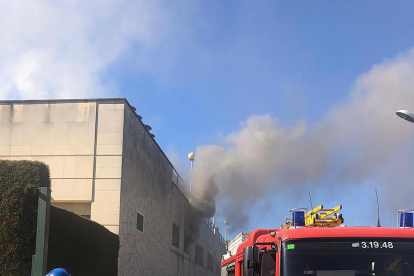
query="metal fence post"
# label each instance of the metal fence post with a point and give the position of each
(39, 264)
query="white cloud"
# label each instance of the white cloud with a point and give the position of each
(60, 49)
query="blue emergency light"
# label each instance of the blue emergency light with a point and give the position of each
(298, 217)
(406, 218)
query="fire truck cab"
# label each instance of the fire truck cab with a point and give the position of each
(306, 245)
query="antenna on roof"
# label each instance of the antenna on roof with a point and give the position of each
(310, 198)
(378, 208)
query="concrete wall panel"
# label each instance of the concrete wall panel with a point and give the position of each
(109, 161)
(4, 150)
(108, 172)
(71, 190)
(111, 208)
(78, 167)
(108, 185)
(5, 137)
(107, 196)
(110, 115)
(17, 134)
(40, 127)
(105, 219)
(111, 127)
(20, 150)
(110, 139)
(108, 166)
(109, 150)
(5, 114)
(62, 134)
(112, 106)
(43, 150)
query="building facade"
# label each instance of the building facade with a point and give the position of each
(105, 165)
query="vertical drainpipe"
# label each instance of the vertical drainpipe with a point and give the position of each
(95, 146)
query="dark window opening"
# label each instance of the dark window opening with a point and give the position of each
(199, 254)
(140, 222)
(209, 261)
(175, 235)
(186, 246)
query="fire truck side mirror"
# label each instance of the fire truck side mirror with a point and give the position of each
(250, 260)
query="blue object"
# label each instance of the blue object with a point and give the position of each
(58, 272)
(298, 218)
(406, 220)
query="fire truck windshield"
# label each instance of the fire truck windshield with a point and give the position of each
(348, 257)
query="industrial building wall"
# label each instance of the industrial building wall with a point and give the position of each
(209, 244)
(84, 154)
(148, 193)
(104, 165)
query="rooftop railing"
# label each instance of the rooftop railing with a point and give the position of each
(214, 229)
(179, 182)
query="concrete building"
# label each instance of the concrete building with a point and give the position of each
(105, 165)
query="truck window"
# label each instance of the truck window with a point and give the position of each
(361, 257)
(228, 270)
(268, 264)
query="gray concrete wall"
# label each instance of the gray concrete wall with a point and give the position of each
(210, 243)
(147, 186)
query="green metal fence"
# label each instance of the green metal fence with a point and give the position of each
(39, 260)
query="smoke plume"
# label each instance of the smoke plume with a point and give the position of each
(360, 140)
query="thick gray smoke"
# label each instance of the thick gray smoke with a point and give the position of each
(360, 140)
(202, 205)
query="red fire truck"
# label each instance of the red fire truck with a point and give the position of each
(317, 243)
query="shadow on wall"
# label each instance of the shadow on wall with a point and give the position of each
(81, 246)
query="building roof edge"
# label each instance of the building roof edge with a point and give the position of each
(42, 101)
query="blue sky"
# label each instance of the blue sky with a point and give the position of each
(293, 60)
(195, 70)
